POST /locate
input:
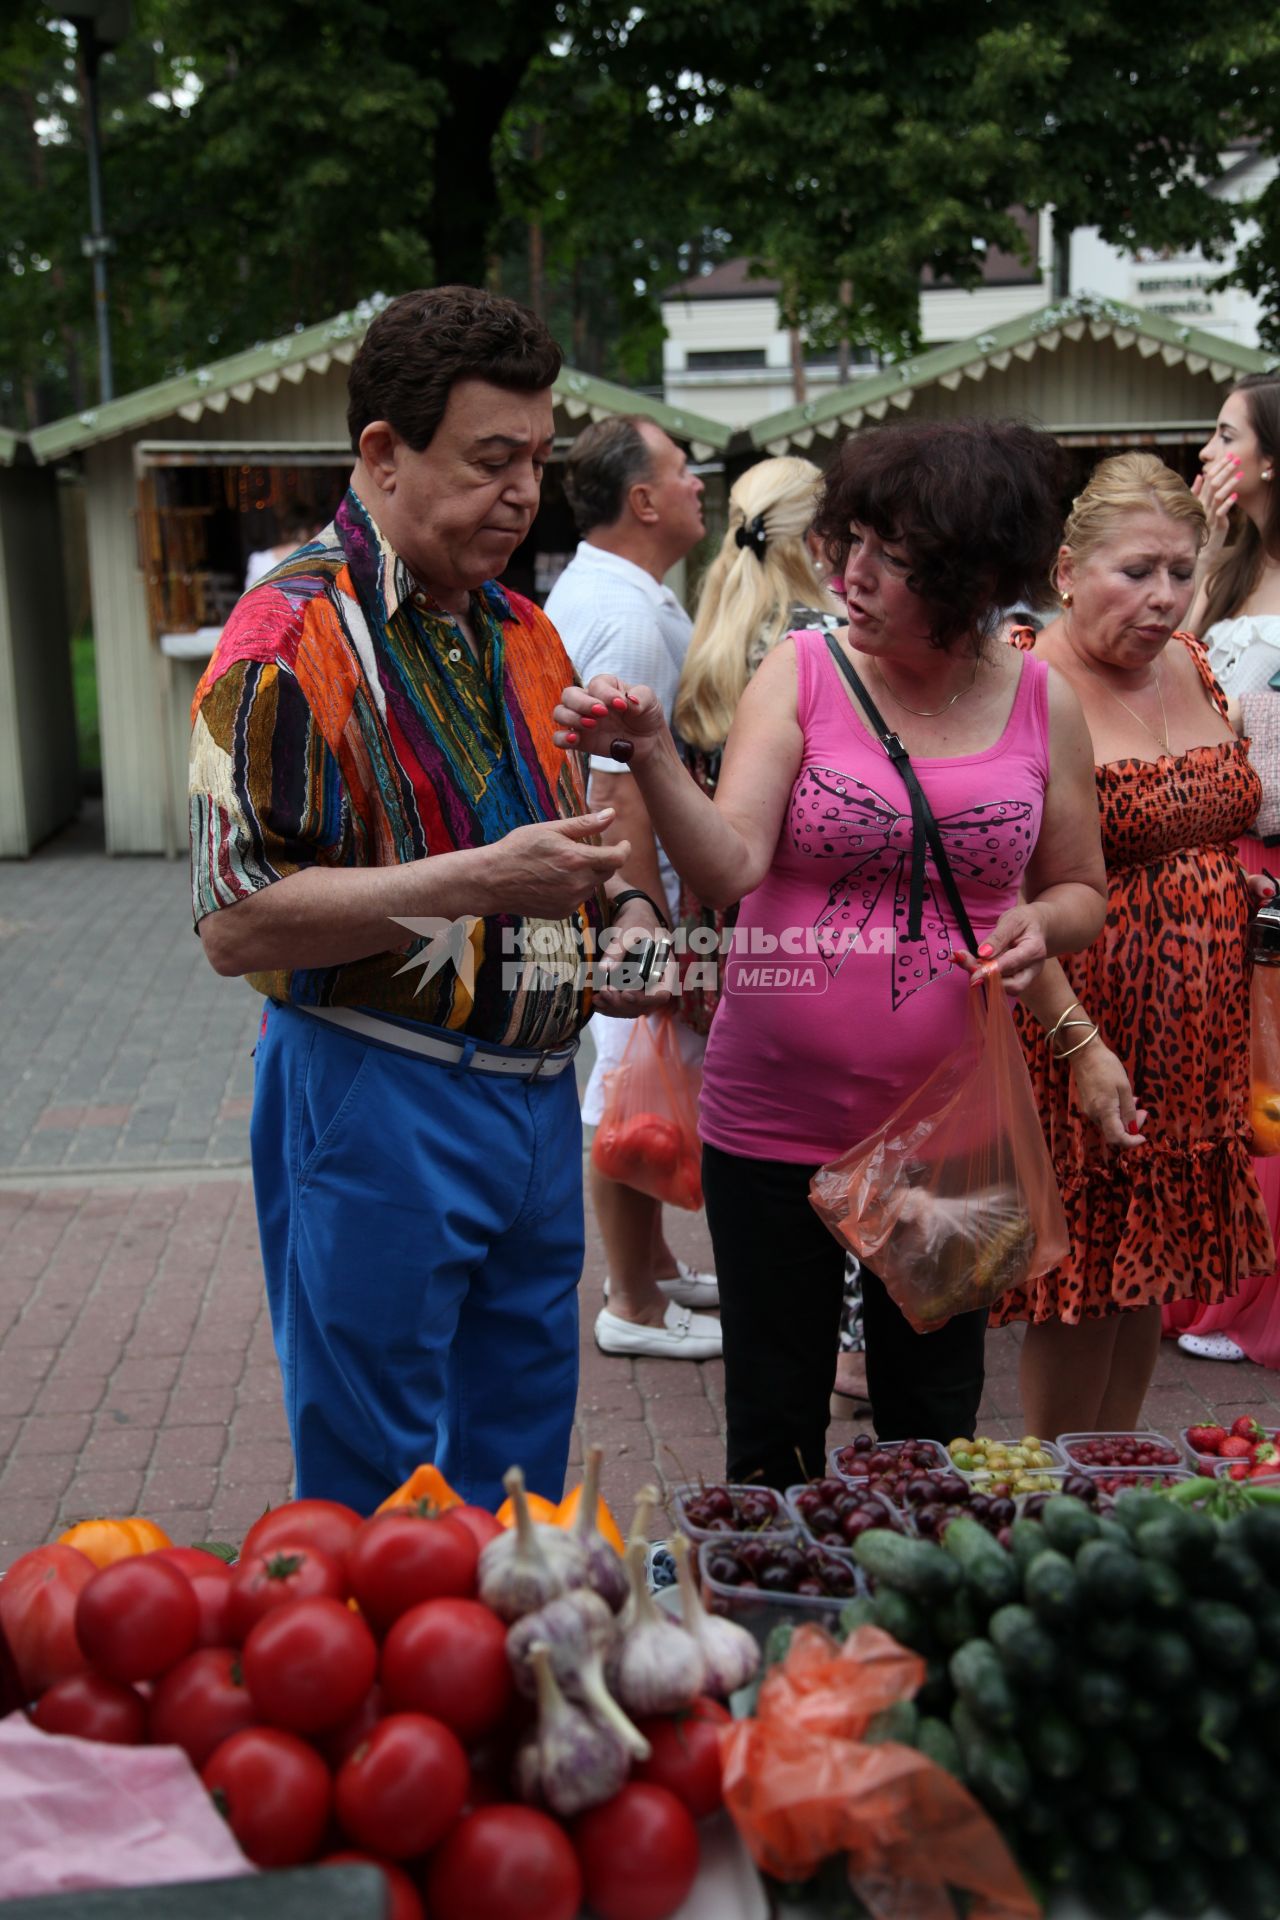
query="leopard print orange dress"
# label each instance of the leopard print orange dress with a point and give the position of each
(1166, 980)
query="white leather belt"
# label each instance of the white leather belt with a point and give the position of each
(460, 1052)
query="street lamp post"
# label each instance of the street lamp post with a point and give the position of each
(100, 25)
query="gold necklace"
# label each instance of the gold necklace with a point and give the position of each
(928, 713)
(1134, 714)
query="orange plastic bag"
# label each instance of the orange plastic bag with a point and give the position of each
(953, 1200)
(1264, 1045)
(648, 1138)
(801, 1787)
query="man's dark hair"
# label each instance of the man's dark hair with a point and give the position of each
(976, 505)
(423, 342)
(602, 466)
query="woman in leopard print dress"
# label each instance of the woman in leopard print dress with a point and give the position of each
(1139, 1049)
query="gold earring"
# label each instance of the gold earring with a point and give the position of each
(1066, 599)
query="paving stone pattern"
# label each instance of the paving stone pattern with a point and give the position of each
(136, 1365)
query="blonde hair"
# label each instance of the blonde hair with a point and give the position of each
(744, 601)
(1127, 483)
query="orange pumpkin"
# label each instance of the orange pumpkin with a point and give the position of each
(1264, 1119)
(540, 1508)
(106, 1541)
(426, 1487)
(567, 1513)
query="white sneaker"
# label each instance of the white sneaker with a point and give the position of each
(1211, 1346)
(689, 1288)
(683, 1335)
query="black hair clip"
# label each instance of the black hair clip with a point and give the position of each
(754, 536)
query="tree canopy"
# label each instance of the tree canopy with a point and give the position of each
(266, 166)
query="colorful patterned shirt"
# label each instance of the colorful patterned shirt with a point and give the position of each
(344, 722)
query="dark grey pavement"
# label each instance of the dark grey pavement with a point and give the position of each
(136, 1365)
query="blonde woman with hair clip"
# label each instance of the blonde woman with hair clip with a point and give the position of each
(1139, 1049)
(768, 579)
(1237, 613)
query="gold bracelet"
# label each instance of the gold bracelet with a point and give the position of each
(1079, 1043)
(1052, 1033)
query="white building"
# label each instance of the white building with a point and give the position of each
(727, 354)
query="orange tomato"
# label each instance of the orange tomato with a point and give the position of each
(1264, 1118)
(567, 1513)
(106, 1541)
(425, 1487)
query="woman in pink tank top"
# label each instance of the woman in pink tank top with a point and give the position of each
(846, 983)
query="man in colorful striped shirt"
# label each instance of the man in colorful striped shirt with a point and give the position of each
(388, 844)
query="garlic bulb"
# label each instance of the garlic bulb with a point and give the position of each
(577, 1762)
(527, 1565)
(657, 1667)
(575, 1632)
(606, 1574)
(730, 1653)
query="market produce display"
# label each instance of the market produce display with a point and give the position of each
(495, 1715)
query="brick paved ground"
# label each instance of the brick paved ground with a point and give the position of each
(136, 1367)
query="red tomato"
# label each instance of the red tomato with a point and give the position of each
(686, 1756)
(94, 1708)
(308, 1666)
(403, 1787)
(137, 1617)
(275, 1793)
(404, 1903)
(201, 1702)
(262, 1581)
(652, 1142)
(638, 1854)
(448, 1659)
(38, 1599)
(210, 1580)
(478, 1522)
(343, 1741)
(326, 1524)
(504, 1863)
(398, 1560)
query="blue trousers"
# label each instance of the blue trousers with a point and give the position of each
(422, 1236)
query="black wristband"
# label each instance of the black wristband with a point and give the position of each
(637, 893)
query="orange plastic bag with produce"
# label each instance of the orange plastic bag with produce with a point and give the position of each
(953, 1200)
(648, 1137)
(801, 1786)
(1264, 1032)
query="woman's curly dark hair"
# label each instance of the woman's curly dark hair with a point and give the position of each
(976, 504)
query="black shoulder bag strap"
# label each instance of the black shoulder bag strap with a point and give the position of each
(924, 828)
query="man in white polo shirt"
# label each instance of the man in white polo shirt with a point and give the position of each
(639, 511)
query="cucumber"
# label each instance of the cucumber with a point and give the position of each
(899, 1722)
(936, 1693)
(1224, 1635)
(1113, 1638)
(958, 1619)
(1110, 1577)
(1154, 1834)
(935, 1739)
(1068, 1523)
(1050, 1588)
(1116, 1768)
(1253, 1783)
(898, 1616)
(1176, 1781)
(914, 1567)
(1212, 1713)
(1218, 1829)
(858, 1613)
(1164, 1590)
(1261, 1685)
(1183, 1887)
(979, 1678)
(1164, 1661)
(1117, 1888)
(1096, 1697)
(1181, 1536)
(1100, 1828)
(1260, 1526)
(1053, 1745)
(993, 1765)
(1113, 1531)
(1136, 1504)
(1038, 1815)
(990, 1573)
(1028, 1652)
(1232, 1573)
(1055, 1859)
(1026, 1540)
(1149, 1720)
(1250, 1890)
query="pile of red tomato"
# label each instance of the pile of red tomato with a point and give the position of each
(344, 1695)
(654, 1155)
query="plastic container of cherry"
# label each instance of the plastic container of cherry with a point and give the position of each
(770, 1577)
(836, 1512)
(1104, 1452)
(890, 1464)
(711, 1511)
